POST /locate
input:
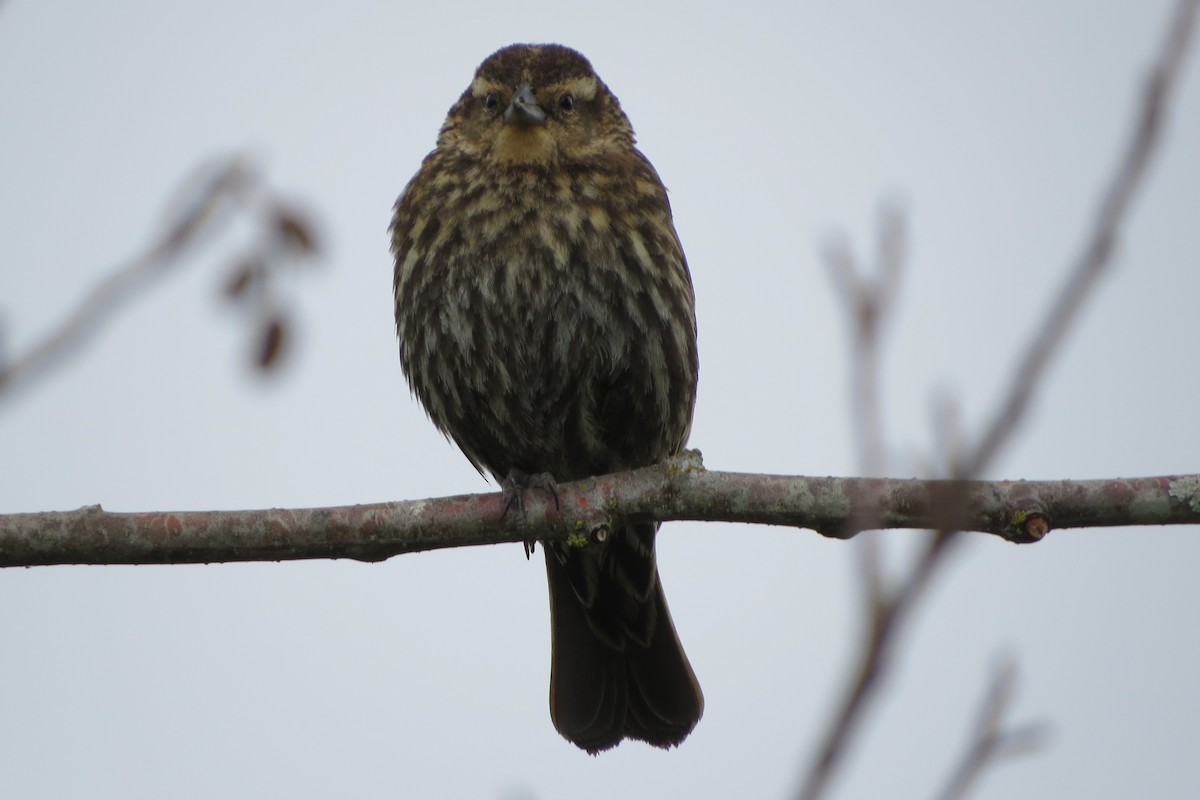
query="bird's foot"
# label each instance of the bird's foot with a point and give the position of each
(514, 485)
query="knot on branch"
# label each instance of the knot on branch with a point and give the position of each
(1027, 526)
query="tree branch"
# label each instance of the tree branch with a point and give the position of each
(991, 739)
(205, 203)
(1096, 254)
(679, 489)
(888, 609)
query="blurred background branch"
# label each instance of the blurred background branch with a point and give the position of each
(214, 196)
(866, 301)
(991, 740)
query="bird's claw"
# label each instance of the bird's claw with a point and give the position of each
(516, 482)
(514, 485)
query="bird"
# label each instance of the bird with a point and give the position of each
(546, 320)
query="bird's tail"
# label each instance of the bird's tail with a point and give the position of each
(617, 668)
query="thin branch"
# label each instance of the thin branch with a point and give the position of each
(205, 202)
(889, 610)
(680, 489)
(1097, 251)
(202, 206)
(992, 742)
(869, 300)
(885, 621)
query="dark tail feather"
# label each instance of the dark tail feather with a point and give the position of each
(601, 694)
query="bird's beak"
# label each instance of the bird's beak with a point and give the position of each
(524, 109)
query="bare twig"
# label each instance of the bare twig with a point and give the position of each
(675, 490)
(992, 742)
(204, 204)
(869, 300)
(888, 609)
(1097, 251)
(885, 620)
(206, 201)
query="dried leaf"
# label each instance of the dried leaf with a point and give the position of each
(295, 231)
(272, 342)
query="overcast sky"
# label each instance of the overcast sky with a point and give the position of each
(773, 125)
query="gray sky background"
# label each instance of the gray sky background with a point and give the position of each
(773, 125)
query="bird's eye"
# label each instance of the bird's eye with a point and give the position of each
(566, 103)
(490, 102)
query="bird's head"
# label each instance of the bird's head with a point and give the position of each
(536, 104)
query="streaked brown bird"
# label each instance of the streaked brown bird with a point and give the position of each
(547, 324)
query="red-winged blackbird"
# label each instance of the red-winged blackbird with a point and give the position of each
(547, 325)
